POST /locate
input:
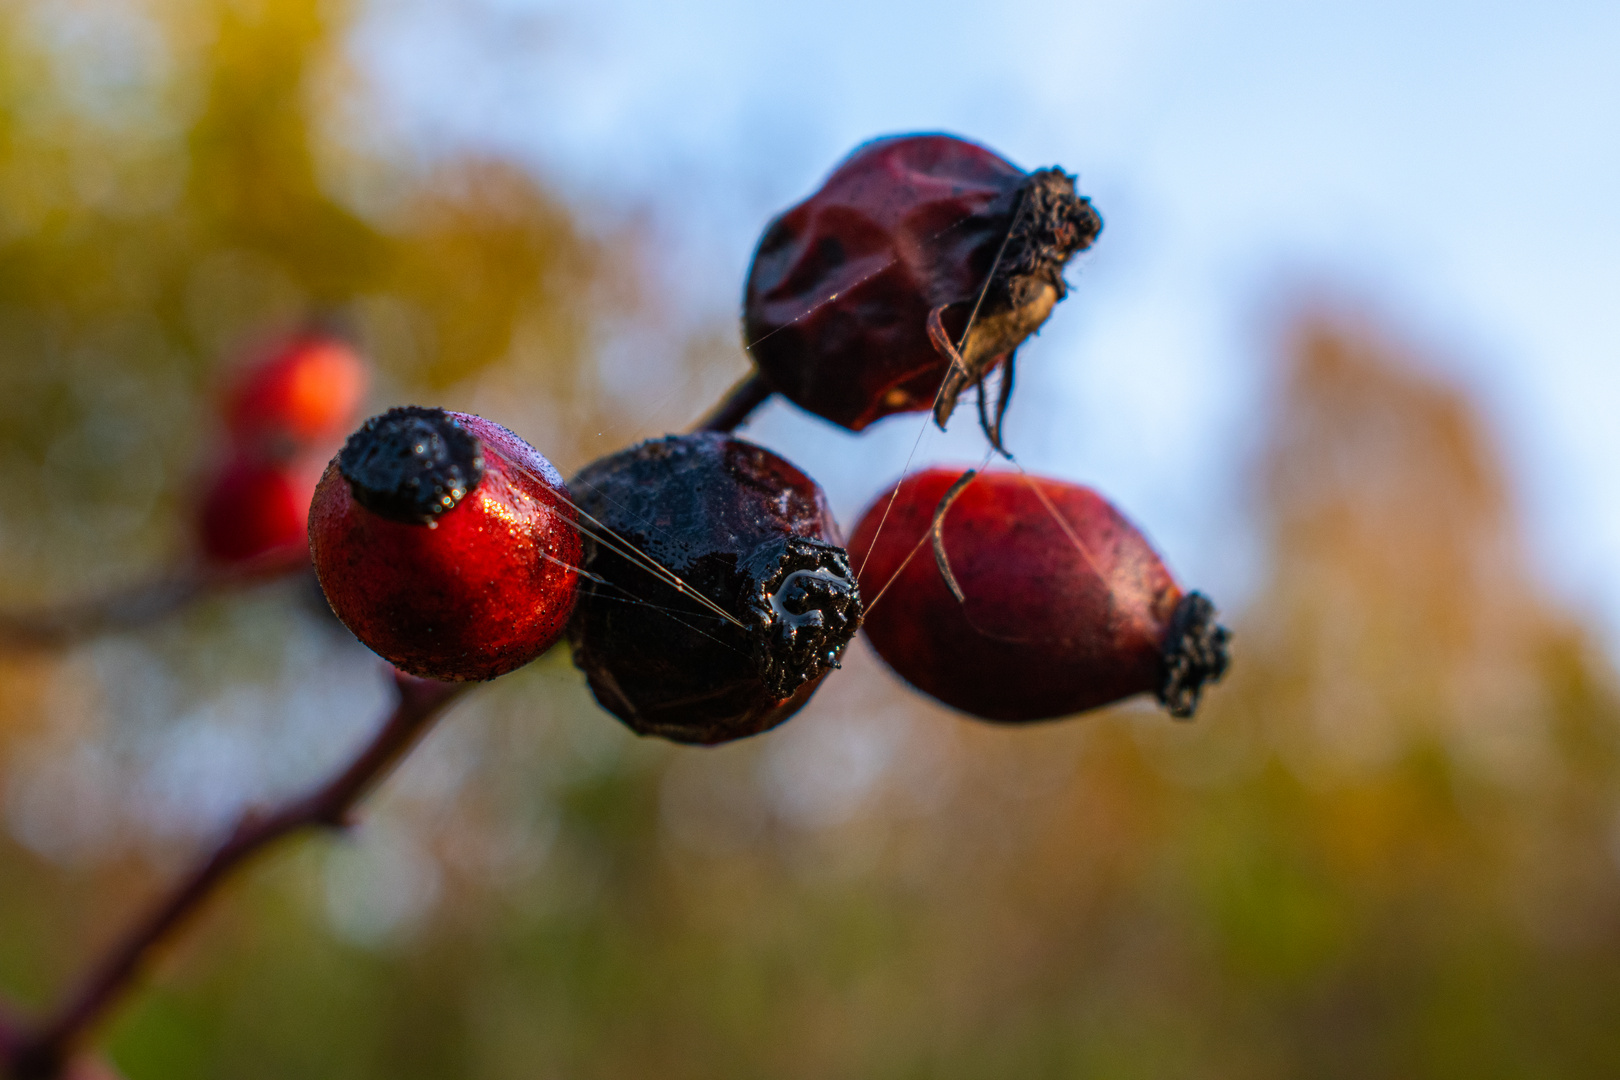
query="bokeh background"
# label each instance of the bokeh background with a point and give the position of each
(1347, 350)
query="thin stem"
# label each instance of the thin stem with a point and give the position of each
(137, 605)
(738, 404)
(42, 1053)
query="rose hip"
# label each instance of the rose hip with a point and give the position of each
(858, 298)
(1045, 602)
(715, 597)
(256, 509)
(446, 544)
(304, 394)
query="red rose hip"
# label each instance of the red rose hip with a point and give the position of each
(256, 509)
(716, 596)
(1059, 604)
(858, 297)
(304, 394)
(446, 544)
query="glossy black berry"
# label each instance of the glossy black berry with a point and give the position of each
(715, 595)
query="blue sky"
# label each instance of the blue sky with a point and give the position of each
(1453, 167)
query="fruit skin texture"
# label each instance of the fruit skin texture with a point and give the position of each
(904, 226)
(1047, 629)
(481, 589)
(740, 526)
(303, 395)
(256, 509)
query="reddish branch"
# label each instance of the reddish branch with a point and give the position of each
(738, 404)
(137, 605)
(42, 1053)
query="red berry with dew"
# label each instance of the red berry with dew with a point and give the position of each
(917, 269)
(716, 596)
(446, 543)
(1013, 597)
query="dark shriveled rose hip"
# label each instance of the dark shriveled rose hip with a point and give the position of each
(715, 596)
(1059, 604)
(858, 297)
(446, 544)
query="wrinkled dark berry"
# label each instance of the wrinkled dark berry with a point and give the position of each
(446, 544)
(1026, 617)
(905, 232)
(764, 603)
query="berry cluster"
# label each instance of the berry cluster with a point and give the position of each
(701, 579)
(282, 417)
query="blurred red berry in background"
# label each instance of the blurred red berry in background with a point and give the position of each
(305, 394)
(283, 416)
(256, 508)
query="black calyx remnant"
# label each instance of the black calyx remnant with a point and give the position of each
(1049, 223)
(1053, 223)
(802, 606)
(411, 464)
(1195, 652)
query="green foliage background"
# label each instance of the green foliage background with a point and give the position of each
(1387, 848)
